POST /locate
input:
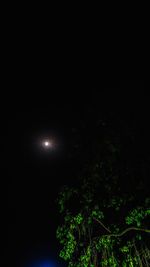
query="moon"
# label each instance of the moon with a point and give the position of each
(48, 144)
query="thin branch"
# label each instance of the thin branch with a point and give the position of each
(102, 225)
(137, 254)
(79, 234)
(89, 235)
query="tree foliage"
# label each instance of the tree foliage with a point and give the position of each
(105, 218)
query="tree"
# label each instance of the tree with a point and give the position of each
(106, 216)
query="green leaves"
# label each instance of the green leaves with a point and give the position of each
(64, 197)
(85, 258)
(78, 218)
(79, 244)
(69, 247)
(136, 216)
(97, 213)
(116, 202)
(124, 249)
(103, 242)
(100, 215)
(147, 212)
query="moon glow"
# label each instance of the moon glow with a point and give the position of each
(48, 144)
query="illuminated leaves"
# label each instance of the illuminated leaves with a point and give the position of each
(136, 216)
(97, 231)
(77, 239)
(69, 247)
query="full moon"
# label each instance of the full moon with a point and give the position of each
(48, 144)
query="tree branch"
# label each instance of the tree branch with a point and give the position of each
(102, 225)
(130, 229)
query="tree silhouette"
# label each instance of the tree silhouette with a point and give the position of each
(105, 217)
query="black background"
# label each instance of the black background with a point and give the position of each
(31, 180)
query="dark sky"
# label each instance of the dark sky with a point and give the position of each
(32, 177)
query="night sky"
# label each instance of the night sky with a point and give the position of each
(34, 176)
